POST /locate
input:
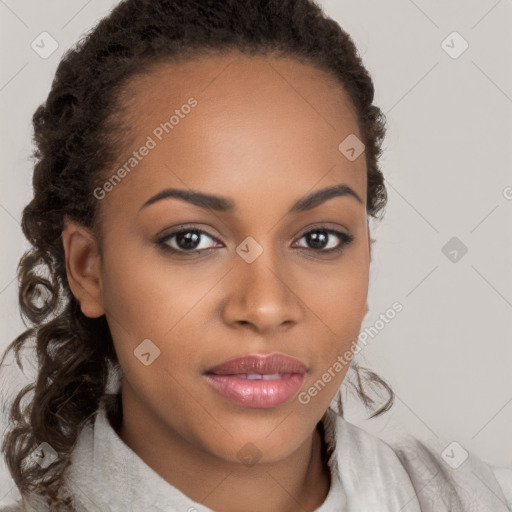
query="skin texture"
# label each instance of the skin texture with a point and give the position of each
(265, 133)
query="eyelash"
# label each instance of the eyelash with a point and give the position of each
(345, 240)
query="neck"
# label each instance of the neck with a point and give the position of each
(300, 481)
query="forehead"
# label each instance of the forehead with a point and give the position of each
(264, 124)
(233, 81)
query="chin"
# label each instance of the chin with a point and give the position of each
(254, 442)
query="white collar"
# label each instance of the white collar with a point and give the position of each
(367, 474)
(106, 472)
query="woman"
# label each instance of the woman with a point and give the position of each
(206, 173)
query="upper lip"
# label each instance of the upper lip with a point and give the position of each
(263, 364)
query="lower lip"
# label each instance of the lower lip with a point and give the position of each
(257, 393)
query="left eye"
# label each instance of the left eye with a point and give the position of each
(323, 239)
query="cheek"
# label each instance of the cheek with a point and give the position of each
(147, 296)
(339, 301)
(150, 300)
(339, 294)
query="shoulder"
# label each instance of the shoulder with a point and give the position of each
(371, 474)
(504, 477)
(27, 503)
(11, 508)
(441, 475)
(447, 469)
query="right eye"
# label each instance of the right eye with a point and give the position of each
(185, 240)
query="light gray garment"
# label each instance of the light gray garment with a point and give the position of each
(368, 474)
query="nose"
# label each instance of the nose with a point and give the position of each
(262, 295)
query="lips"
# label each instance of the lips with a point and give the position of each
(259, 364)
(260, 381)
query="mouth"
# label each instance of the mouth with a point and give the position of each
(259, 381)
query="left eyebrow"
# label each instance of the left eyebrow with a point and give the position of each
(223, 204)
(320, 196)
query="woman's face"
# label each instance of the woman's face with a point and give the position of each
(255, 276)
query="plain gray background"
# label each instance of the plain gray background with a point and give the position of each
(447, 161)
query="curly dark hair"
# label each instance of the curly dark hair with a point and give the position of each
(74, 149)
